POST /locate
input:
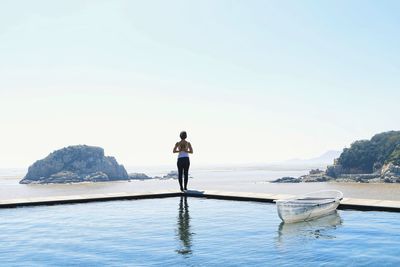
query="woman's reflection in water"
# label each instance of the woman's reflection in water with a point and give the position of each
(184, 234)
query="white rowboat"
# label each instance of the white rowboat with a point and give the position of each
(309, 206)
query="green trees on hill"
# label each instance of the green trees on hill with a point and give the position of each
(366, 156)
(395, 156)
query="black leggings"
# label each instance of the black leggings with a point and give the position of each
(183, 169)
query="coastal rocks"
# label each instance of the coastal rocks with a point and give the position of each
(287, 179)
(360, 178)
(139, 176)
(142, 176)
(74, 164)
(315, 175)
(171, 175)
(390, 169)
(388, 173)
(391, 173)
(316, 171)
(318, 177)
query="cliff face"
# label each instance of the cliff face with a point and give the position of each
(369, 156)
(75, 164)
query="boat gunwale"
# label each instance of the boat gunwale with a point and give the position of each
(338, 197)
(308, 204)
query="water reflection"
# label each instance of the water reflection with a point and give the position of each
(184, 234)
(322, 228)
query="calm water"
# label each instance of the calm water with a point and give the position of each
(192, 232)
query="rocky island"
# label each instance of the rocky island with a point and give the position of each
(366, 161)
(74, 164)
(82, 163)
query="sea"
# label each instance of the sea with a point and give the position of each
(232, 178)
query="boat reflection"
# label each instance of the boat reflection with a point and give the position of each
(322, 228)
(184, 234)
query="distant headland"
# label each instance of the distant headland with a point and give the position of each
(367, 161)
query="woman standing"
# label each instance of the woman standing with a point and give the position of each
(184, 148)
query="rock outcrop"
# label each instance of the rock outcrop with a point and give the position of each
(139, 176)
(313, 176)
(287, 179)
(75, 164)
(391, 173)
(170, 175)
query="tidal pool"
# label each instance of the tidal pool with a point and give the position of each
(192, 232)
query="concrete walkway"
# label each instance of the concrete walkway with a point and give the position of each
(347, 203)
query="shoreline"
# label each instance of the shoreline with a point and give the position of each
(10, 188)
(335, 182)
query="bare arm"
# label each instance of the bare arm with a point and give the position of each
(176, 148)
(190, 149)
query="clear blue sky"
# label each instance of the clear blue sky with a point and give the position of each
(251, 81)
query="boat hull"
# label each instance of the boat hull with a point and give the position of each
(291, 212)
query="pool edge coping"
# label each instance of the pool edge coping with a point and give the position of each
(347, 203)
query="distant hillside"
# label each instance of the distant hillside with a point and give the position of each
(367, 156)
(324, 159)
